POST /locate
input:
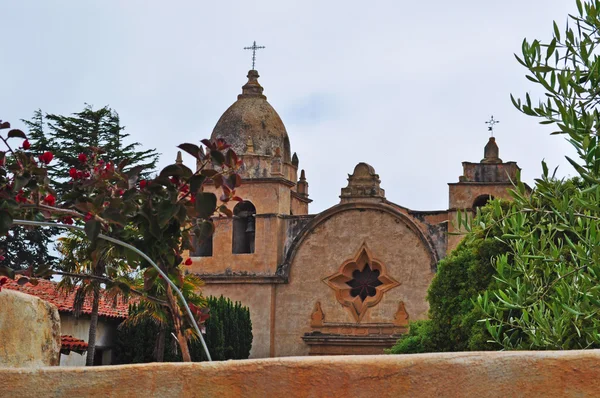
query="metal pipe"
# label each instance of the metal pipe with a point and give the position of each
(130, 247)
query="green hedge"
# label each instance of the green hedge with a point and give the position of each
(453, 322)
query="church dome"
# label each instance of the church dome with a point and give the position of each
(251, 125)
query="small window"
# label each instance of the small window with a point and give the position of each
(244, 228)
(481, 201)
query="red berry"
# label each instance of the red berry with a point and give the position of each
(88, 217)
(82, 157)
(188, 261)
(26, 144)
(143, 184)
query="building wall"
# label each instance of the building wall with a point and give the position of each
(325, 249)
(269, 238)
(106, 333)
(271, 197)
(461, 197)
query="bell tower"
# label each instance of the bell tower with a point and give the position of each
(480, 182)
(251, 243)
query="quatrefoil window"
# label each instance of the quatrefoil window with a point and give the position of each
(364, 283)
(360, 283)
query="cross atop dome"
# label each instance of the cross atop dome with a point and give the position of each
(254, 47)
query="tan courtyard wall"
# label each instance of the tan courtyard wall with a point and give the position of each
(29, 331)
(257, 297)
(546, 374)
(337, 239)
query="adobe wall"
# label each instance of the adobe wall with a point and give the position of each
(480, 374)
(323, 251)
(29, 331)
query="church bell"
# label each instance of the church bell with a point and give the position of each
(250, 226)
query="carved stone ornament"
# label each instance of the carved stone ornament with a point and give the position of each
(317, 317)
(363, 184)
(360, 283)
(401, 316)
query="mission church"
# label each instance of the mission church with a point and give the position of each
(343, 281)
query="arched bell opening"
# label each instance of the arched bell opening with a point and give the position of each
(481, 201)
(244, 228)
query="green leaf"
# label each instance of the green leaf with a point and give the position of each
(166, 212)
(217, 157)
(176, 170)
(16, 133)
(192, 149)
(206, 204)
(6, 222)
(92, 229)
(541, 69)
(20, 182)
(196, 182)
(114, 214)
(551, 48)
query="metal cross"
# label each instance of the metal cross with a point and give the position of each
(491, 124)
(254, 48)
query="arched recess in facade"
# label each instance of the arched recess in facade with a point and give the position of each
(283, 270)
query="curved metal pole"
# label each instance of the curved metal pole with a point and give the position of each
(133, 248)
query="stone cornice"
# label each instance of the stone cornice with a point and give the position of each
(217, 279)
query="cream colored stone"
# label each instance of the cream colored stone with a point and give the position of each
(29, 331)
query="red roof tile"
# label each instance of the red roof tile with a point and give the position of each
(69, 343)
(48, 291)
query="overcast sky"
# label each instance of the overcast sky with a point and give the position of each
(405, 86)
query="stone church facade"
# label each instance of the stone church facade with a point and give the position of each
(344, 281)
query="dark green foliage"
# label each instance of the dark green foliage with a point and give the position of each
(68, 136)
(417, 341)
(228, 336)
(453, 323)
(23, 247)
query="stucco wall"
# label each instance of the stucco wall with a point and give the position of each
(268, 248)
(29, 331)
(491, 374)
(321, 254)
(79, 328)
(257, 298)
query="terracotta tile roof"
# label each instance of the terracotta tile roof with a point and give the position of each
(69, 343)
(48, 291)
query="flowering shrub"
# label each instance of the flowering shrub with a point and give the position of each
(158, 216)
